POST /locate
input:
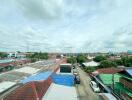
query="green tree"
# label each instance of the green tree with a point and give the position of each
(99, 58)
(71, 60)
(38, 55)
(119, 62)
(3, 55)
(127, 61)
(107, 64)
(81, 58)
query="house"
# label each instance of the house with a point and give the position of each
(118, 80)
(124, 86)
(16, 55)
(30, 91)
(90, 64)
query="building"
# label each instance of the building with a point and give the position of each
(65, 68)
(117, 80)
(124, 86)
(90, 64)
(60, 92)
(129, 53)
(16, 55)
(5, 85)
(31, 91)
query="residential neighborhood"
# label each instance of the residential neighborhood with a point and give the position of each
(65, 49)
(79, 77)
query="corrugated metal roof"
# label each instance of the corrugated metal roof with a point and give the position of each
(92, 63)
(37, 77)
(63, 79)
(30, 91)
(60, 92)
(107, 78)
(108, 71)
(28, 70)
(6, 85)
(119, 88)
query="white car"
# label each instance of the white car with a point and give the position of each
(106, 96)
(94, 86)
(75, 72)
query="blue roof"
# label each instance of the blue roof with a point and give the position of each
(67, 80)
(129, 71)
(129, 51)
(37, 77)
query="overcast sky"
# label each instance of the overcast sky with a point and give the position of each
(65, 25)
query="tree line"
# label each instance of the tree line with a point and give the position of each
(37, 56)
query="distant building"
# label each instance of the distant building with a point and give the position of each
(129, 52)
(16, 55)
(90, 64)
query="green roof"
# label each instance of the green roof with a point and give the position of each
(119, 88)
(107, 78)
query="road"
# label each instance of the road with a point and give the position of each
(84, 91)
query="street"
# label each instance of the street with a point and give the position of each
(83, 89)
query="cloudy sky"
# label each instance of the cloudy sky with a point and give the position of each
(65, 25)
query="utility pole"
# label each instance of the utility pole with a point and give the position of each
(113, 82)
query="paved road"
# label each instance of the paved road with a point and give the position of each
(84, 91)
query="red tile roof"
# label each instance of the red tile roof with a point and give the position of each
(107, 71)
(30, 91)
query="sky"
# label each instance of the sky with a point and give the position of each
(66, 25)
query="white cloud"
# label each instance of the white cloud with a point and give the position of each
(66, 25)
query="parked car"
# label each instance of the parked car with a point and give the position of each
(75, 72)
(106, 96)
(94, 86)
(77, 79)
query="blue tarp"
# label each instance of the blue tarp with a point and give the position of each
(37, 77)
(63, 79)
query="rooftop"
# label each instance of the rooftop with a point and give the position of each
(60, 92)
(66, 64)
(28, 70)
(6, 85)
(119, 88)
(37, 77)
(107, 71)
(91, 63)
(107, 78)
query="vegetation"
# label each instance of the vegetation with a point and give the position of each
(37, 56)
(81, 58)
(99, 58)
(72, 60)
(90, 69)
(119, 62)
(3, 55)
(127, 61)
(107, 64)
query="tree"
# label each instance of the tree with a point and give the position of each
(99, 58)
(119, 62)
(81, 59)
(3, 55)
(38, 56)
(127, 61)
(72, 60)
(107, 64)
